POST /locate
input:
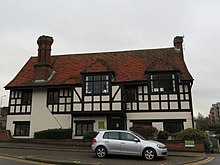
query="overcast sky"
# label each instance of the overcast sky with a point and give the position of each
(109, 25)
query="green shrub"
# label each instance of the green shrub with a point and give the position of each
(194, 134)
(89, 135)
(148, 132)
(163, 135)
(54, 134)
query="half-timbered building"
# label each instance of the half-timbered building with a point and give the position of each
(96, 91)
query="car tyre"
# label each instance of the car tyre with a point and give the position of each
(149, 154)
(101, 152)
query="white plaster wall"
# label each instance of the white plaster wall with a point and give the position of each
(64, 120)
(41, 117)
(118, 95)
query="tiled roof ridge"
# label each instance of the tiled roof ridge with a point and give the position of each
(109, 52)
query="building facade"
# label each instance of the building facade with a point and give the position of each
(98, 91)
(214, 114)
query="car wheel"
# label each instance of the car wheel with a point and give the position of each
(101, 152)
(149, 154)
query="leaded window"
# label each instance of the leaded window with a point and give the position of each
(163, 82)
(130, 93)
(53, 96)
(173, 126)
(26, 97)
(20, 101)
(22, 128)
(83, 127)
(97, 84)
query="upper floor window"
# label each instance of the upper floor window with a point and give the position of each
(97, 84)
(130, 93)
(163, 82)
(20, 101)
(26, 97)
(53, 96)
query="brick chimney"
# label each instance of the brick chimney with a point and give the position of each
(43, 69)
(177, 42)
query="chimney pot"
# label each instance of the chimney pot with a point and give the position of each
(44, 49)
(177, 42)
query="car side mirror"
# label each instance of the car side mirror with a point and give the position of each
(136, 140)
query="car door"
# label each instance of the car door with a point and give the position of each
(130, 144)
(112, 142)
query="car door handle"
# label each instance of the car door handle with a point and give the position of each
(122, 142)
(106, 141)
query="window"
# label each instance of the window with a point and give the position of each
(130, 93)
(97, 84)
(22, 128)
(83, 127)
(111, 135)
(53, 96)
(26, 97)
(20, 101)
(141, 123)
(127, 136)
(163, 82)
(173, 126)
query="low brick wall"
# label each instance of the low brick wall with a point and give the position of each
(5, 135)
(172, 145)
(179, 145)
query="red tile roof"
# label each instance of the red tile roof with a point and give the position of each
(127, 66)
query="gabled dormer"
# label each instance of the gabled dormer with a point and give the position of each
(97, 83)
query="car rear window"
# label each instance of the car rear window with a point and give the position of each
(111, 135)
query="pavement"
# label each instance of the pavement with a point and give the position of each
(193, 156)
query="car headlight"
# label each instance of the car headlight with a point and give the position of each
(161, 146)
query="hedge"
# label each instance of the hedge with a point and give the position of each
(54, 134)
(148, 132)
(194, 134)
(90, 135)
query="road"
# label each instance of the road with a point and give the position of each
(215, 159)
(82, 157)
(5, 160)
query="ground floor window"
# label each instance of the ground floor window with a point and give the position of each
(83, 127)
(173, 126)
(22, 128)
(141, 123)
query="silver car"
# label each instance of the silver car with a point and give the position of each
(122, 142)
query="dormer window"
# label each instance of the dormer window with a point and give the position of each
(97, 84)
(163, 82)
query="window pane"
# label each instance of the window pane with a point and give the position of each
(17, 129)
(130, 93)
(90, 127)
(113, 135)
(26, 97)
(78, 129)
(127, 136)
(53, 97)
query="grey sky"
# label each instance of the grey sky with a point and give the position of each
(109, 25)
